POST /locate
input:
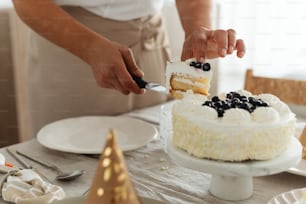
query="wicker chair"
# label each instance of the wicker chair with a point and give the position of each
(288, 90)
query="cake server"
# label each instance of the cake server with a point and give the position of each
(148, 85)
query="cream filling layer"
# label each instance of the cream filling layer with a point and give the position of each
(184, 68)
(186, 81)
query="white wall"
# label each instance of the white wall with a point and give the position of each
(5, 4)
(274, 32)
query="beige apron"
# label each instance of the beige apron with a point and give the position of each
(61, 85)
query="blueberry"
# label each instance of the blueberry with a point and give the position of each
(264, 104)
(206, 67)
(235, 94)
(192, 64)
(243, 98)
(236, 101)
(218, 104)
(220, 112)
(226, 106)
(247, 106)
(215, 99)
(208, 103)
(260, 103)
(252, 107)
(244, 106)
(229, 96)
(198, 65)
(252, 100)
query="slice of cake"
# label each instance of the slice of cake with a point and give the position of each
(236, 126)
(188, 75)
(111, 183)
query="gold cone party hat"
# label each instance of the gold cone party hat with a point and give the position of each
(111, 184)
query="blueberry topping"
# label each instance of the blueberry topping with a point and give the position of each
(226, 106)
(220, 112)
(198, 65)
(236, 103)
(252, 100)
(258, 102)
(264, 104)
(218, 104)
(243, 99)
(235, 94)
(229, 96)
(215, 99)
(192, 64)
(245, 106)
(234, 100)
(208, 103)
(206, 67)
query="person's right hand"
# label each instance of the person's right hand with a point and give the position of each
(112, 65)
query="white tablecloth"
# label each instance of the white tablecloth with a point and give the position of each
(154, 174)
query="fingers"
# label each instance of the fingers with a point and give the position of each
(200, 49)
(231, 41)
(130, 63)
(130, 67)
(187, 51)
(195, 45)
(116, 84)
(240, 47)
(116, 73)
(107, 79)
(221, 37)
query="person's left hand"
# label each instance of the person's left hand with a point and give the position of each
(207, 44)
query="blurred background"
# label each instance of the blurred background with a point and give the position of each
(274, 32)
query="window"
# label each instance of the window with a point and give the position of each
(275, 35)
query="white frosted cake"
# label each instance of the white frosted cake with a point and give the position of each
(188, 75)
(236, 126)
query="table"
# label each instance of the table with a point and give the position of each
(154, 175)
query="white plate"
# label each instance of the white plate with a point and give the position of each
(86, 135)
(288, 197)
(81, 200)
(300, 169)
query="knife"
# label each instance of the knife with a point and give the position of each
(148, 85)
(22, 162)
(25, 165)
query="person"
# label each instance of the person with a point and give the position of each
(111, 40)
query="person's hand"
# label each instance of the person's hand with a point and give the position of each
(112, 65)
(207, 44)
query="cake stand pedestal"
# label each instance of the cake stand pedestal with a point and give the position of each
(234, 180)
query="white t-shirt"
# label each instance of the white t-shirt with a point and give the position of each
(117, 9)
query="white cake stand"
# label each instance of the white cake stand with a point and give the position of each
(234, 181)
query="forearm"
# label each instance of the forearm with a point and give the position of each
(52, 22)
(194, 14)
